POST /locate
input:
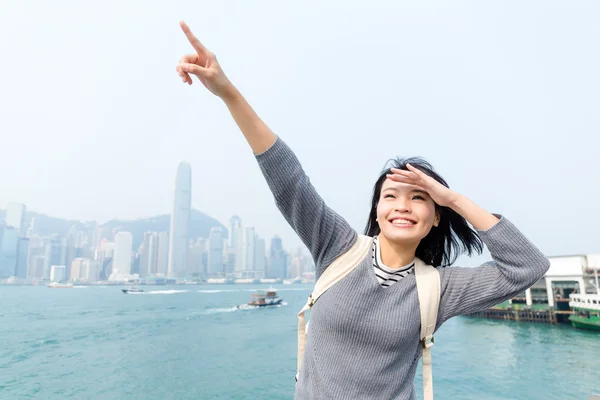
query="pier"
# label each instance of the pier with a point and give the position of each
(548, 300)
(519, 312)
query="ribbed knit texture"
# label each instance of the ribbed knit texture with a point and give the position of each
(363, 341)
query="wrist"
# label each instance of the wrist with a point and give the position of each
(231, 95)
(458, 202)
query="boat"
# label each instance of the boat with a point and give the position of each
(264, 298)
(132, 290)
(586, 311)
(293, 281)
(60, 285)
(220, 281)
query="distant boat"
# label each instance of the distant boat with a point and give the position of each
(60, 285)
(264, 298)
(221, 281)
(132, 290)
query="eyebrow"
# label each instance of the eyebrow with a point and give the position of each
(420, 191)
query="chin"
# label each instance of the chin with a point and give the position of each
(396, 236)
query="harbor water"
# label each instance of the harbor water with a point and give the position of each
(191, 342)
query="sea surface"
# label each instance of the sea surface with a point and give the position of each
(191, 342)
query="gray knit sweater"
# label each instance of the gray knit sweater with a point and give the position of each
(364, 339)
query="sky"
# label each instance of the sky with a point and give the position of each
(501, 97)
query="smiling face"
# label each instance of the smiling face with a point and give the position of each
(405, 213)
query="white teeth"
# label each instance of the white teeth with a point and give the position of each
(402, 222)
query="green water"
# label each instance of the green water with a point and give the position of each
(190, 342)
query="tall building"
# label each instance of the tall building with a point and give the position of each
(15, 217)
(12, 261)
(85, 269)
(57, 273)
(123, 252)
(22, 258)
(277, 259)
(2, 225)
(180, 219)
(260, 257)
(248, 247)
(215, 252)
(229, 261)
(163, 254)
(236, 239)
(36, 266)
(9, 251)
(196, 265)
(149, 256)
(55, 253)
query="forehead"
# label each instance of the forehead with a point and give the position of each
(389, 184)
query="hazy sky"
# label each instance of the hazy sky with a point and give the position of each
(502, 97)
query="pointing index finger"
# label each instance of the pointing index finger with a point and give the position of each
(199, 47)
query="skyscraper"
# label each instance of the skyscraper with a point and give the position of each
(9, 252)
(163, 254)
(149, 256)
(249, 243)
(236, 238)
(260, 257)
(122, 257)
(22, 259)
(215, 252)
(277, 259)
(15, 217)
(180, 219)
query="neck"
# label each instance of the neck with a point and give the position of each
(396, 255)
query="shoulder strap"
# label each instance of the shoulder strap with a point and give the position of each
(428, 290)
(337, 270)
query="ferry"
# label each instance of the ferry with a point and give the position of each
(132, 290)
(60, 285)
(586, 311)
(264, 298)
(220, 281)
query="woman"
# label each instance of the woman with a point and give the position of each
(364, 331)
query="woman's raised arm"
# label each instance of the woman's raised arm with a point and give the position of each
(322, 230)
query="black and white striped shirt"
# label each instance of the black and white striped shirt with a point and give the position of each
(385, 275)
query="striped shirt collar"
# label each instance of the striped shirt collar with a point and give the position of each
(378, 263)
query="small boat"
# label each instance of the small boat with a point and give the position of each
(264, 298)
(132, 290)
(60, 285)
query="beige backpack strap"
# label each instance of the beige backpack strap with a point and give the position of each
(337, 270)
(428, 290)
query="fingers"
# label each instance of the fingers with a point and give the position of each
(199, 47)
(185, 77)
(194, 69)
(188, 58)
(405, 174)
(402, 179)
(416, 171)
(408, 177)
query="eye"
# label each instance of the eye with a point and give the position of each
(418, 197)
(390, 196)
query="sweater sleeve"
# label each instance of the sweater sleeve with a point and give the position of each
(322, 230)
(517, 265)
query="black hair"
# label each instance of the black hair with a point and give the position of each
(444, 243)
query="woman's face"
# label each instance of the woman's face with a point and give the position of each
(405, 213)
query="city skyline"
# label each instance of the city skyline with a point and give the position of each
(87, 256)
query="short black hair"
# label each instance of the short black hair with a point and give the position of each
(452, 237)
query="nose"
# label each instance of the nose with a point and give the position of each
(402, 205)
